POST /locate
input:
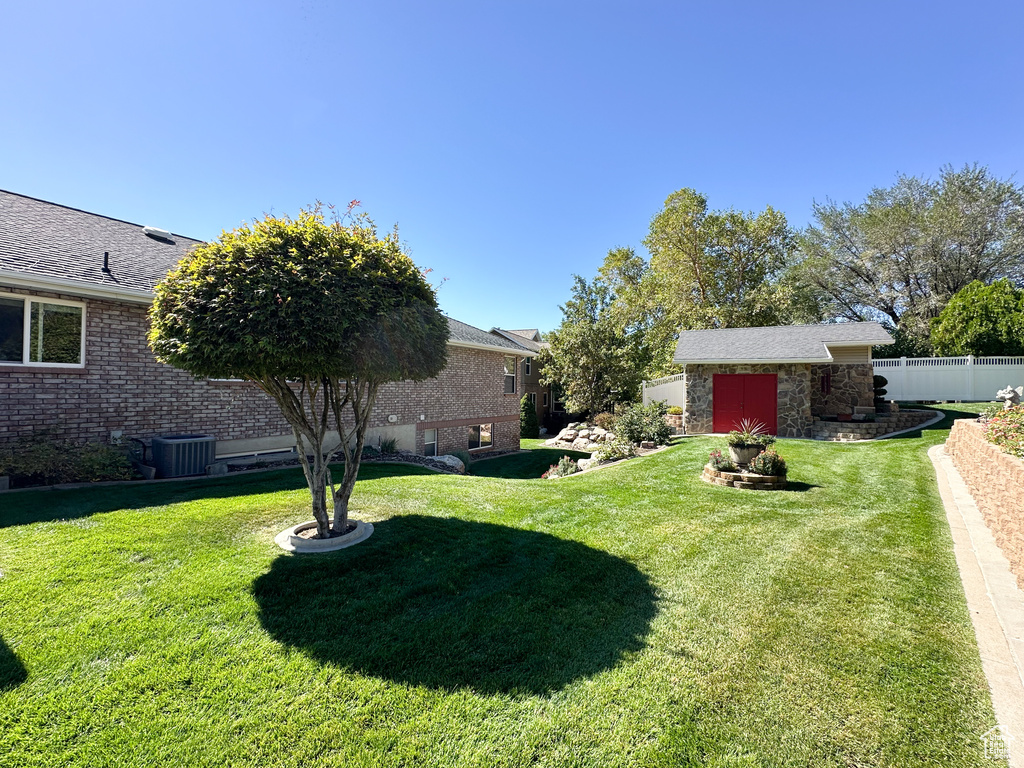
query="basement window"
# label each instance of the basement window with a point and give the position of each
(480, 436)
(41, 331)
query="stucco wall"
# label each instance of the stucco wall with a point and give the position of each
(794, 404)
(122, 387)
(996, 481)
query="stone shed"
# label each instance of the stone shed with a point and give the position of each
(783, 376)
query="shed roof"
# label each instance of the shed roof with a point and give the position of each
(775, 344)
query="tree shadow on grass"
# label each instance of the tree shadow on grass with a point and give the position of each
(448, 603)
(12, 671)
(44, 505)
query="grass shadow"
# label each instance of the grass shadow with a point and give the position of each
(12, 671)
(448, 603)
(797, 487)
(527, 465)
(26, 507)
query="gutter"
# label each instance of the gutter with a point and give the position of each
(75, 287)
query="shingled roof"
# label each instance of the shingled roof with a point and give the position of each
(53, 241)
(525, 338)
(463, 335)
(45, 242)
(776, 344)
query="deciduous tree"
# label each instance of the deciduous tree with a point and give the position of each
(318, 314)
(981, 320)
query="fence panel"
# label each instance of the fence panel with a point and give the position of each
(949, 378)
(671, 389)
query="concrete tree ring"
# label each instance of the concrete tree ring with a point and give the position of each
(290, 541)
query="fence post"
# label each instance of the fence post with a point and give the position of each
(970, 377)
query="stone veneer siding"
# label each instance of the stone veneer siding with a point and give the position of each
(852, 385)
(794, 403)
(996, 481)
(123, 387)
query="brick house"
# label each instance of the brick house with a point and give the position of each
(783, 376)
(540, 394)
(75, 289)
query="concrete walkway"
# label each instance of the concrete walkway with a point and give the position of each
(995, 603)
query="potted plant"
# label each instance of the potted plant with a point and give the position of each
(747, 440)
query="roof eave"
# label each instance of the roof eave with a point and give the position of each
(74, 287)
(492, 348)
(752, 361)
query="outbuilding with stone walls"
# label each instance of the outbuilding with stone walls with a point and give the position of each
(784, 377)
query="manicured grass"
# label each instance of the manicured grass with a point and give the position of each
(630, 617)
(524, 465)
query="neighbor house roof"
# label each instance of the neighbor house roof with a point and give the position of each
(463, 335)
(529, 338)
(45, 245)
(776, 344)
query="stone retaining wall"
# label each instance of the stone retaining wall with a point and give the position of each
(996, 481)
(843, 431)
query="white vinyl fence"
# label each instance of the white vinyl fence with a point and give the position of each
(949, 378)
(671, 389)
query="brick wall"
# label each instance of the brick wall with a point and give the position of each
(123, 387)
(996, 481)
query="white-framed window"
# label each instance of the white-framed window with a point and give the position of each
(510, 375)
(40, 331)
(533, 398)
(526, 366)
(430, 442)
(480, 436)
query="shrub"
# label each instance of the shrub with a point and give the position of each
(675, 410)
(768, 462)
(644, 422)
(565, 466)
(462, 456)
(529, 428)
(388, 444)
(1006, 429)
(989, 411)
(45, 459)
(604, 420)
(750, 432)
(369, 452)
(619, 448)
(721, 463)
(878, 383)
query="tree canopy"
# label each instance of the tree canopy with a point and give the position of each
(981, 320)
(316, 313)
(595, 359)
(903, 253)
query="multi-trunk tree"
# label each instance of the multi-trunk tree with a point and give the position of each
(318, 314)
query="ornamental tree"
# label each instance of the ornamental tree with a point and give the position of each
(981, 320)
(318, 314)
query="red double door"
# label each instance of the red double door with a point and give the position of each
(738, 396)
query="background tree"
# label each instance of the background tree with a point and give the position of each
(318, 314)
(981, 320)
(900, 256)
(720, 269)
(592, 358)
(529, 427)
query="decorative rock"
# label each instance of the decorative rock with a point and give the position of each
(454, 462)
(552, 441)
(600, 432)
(568, 435)
(581, 444)
(648, 444)
(584, 433)
(573, 425)
(585, 464)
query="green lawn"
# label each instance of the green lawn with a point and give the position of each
(630, 617)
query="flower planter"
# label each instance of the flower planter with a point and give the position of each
(746, 481)
(744, 454)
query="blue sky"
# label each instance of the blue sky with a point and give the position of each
(513, 143)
